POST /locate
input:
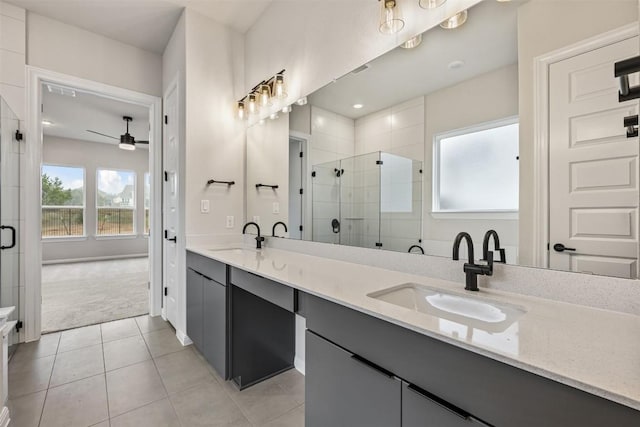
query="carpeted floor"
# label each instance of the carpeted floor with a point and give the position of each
(87, 293)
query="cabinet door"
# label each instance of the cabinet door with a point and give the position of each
(422, 409)
(345, 391)
(215, 326)
(195, 283)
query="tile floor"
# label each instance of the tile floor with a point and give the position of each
(134, 372)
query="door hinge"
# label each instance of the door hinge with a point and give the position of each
(301, 154)
(548, 246)
(19, 135)
(378, 244)
(166, 119)
(302, 191)
(166, 176)
(313, 174)
(379, 162)
(166, 291)
(148, 285)
(301, 228)
(19, 325)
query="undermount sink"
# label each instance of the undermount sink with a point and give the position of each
(474, 311)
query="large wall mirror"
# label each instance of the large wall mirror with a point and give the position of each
(510, 122)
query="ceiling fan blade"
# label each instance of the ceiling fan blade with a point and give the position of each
(102, 134)
(142, 142)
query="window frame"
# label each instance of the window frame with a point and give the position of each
(133, 233)
(144, 208)
(83, 236)
(436, 211)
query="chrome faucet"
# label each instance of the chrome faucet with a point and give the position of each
(496, 244)
(273, 230)
(471, 269)
(259, 238)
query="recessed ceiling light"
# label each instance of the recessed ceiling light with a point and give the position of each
(454, 65)
(412, 42)
(455, 21)
(358, 106)
(47, 123)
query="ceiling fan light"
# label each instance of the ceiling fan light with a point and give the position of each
(431, 4)
(127, 142)
(127, 146)
(455, 21)
(391, 20)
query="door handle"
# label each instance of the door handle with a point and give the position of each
(13, 236)
(559, 247)
(174, 239)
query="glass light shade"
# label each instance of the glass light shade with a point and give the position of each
(242, 113)
(279, 89)
(412, 42)
(252, 104)
(391, 20)
(455, 21)
(264, 96)
(431, 4)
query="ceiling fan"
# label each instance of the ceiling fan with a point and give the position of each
(127, 142)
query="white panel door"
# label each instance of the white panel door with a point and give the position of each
(593, 166)
(170, 205)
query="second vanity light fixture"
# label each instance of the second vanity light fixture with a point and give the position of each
(391, 21)
(262, 96)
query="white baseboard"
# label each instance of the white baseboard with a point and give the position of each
(298, 363)
(183, 338)
(4, 417)
(98, 258)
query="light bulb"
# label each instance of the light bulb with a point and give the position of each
(431, 4)
(455, 21)
(279, 90)
(241, 111)
(252, 104)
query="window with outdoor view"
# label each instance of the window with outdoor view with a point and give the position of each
(116, 202)
(147, 203)
(62, 201)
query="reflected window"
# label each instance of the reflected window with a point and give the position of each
(147, 203)
(476, 169)
(63, 201)
(116, 202)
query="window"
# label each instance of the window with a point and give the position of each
(476, 170)
(396, 180)
(116, 202)
(147, 203)
(62, 201)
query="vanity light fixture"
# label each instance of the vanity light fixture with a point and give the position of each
(432, 4)
(262, 95)
(279, 89)
(391, 20)
(358, 106)
(455, 21)
(412, 43)
(287, 109)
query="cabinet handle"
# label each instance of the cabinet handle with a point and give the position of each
(440, 402)
(373, 366)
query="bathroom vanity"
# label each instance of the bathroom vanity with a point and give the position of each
(372, 359)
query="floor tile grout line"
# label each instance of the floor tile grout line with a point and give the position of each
(46, 394)
(106, 384)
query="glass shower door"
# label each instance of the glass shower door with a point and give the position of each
(10, 250)
(326, 203)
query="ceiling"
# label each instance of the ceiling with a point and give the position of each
(72, 116)
(487, 41)
(147, 24)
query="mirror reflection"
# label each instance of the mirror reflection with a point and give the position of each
(510, 122)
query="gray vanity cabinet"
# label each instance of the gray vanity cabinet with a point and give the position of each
(343, 390)
(207, 313)
(195, 288)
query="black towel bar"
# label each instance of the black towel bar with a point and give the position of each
(213, 181)
(273, 187)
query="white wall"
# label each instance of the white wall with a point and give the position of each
(13, 57)
(566, 22)
(91, 156)
(319, 41)
(488, 97)
(268, 163)
(64, 48)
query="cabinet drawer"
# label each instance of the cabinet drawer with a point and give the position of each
(343, 390)
(208, 267)
(280, 295)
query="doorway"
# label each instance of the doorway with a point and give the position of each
(92, 209)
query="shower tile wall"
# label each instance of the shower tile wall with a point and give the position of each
(398, 130)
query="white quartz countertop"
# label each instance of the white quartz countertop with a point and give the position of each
(594, 350)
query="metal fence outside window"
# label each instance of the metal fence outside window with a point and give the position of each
(115, 221)
(62, 221)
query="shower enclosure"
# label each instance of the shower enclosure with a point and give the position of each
(371, 200)
(11, 150)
